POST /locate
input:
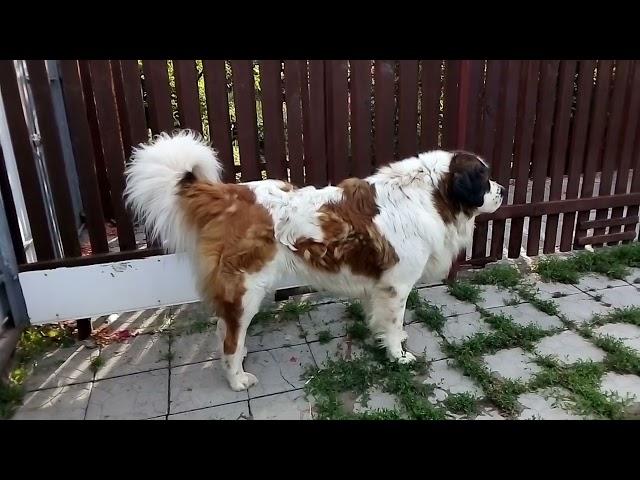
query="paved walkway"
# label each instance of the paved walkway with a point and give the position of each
(165, 364)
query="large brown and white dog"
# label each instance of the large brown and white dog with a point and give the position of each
(371, 238)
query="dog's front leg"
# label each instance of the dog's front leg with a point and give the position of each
(387, 320)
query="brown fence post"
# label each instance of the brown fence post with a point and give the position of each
(461, 137)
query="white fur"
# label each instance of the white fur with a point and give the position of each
(152, 177)
(408, 219)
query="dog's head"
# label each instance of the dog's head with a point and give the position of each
(471, 186)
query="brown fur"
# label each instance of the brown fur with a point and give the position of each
(350, 236)
(235, 237)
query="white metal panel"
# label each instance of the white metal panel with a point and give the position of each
(94, 290)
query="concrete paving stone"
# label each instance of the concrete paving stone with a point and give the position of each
(422, 341)
(191, 317)
(568, 347)
(634, 276)
(621, 297)
(278, 370)
(447, 379)
(283, 406)
(459, 329)
(338, 348)
(625, 332)
(450, 305)
(64, 366)
(526, 314)
(201, 385)
(274, 334)
(594, 281)
(512, 364)
(625, 387)
(544, 405)
(194, 348)
(493, 297)
(61, 403)
(581, 308)
(137, 322)
(230, 411)
(139, 354)
(331, 317)
(554, 290)
(132, 397)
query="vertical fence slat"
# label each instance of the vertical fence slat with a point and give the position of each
(10, 210)
(474, 81)
(408, 109)
(541, 146)
(451, 103)
(384, 116)
(635, 179)
(577, 145)
(306, 116)
(112, 147)
(63, 207)
(487, 142)
(244, 99)
(611, 158)
(272, 97)
(316, 161)
(293, 96)
(361, 117)
(215, 88)
(559, 146)
(524, 147)
(186, 74)
(597, 126)
(83, 149)
(630, 134)
(430, 80)
(26, 162)
(133, 104)
(504, 143)
(101, 171)
(156, 82)
(337, 120)
(131, 112)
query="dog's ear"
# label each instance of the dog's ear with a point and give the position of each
(468, 187)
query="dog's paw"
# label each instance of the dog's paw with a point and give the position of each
(406, 357)
(403, 356)
(242, 381)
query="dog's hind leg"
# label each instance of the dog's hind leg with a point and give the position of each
(236, 317)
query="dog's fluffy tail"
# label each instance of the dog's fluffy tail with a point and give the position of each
(153, 178)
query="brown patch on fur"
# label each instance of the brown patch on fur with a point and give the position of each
(350, 236)
(447, 205)
(287, 187)
(235, 236)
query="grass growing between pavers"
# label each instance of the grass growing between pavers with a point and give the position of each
(613, 262)
(369, 370)
(619, 315)
(507, 334)
(359, 376)
(34, 342)
(582, 380)
(465, 291)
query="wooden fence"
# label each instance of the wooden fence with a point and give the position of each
(562, 134)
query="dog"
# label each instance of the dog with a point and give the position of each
(370, 239)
